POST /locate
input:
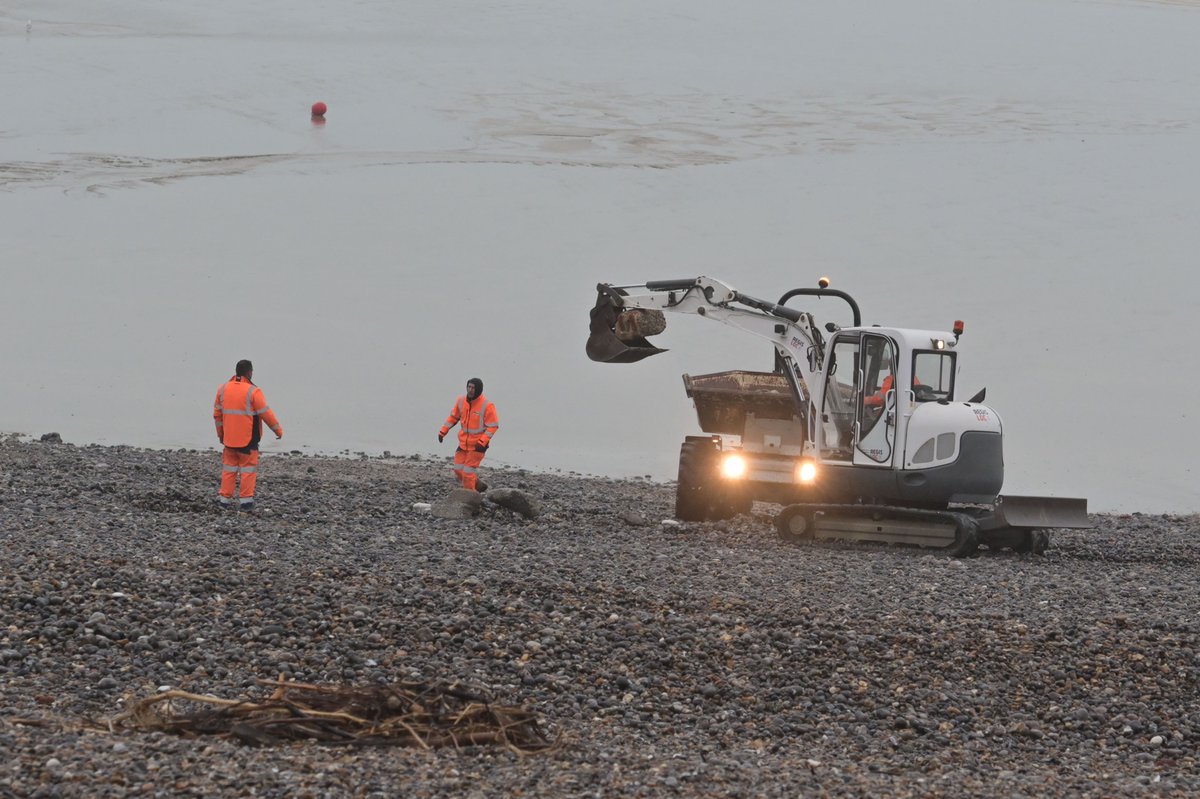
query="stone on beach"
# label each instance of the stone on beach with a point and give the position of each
(515, 500)
(461, 503)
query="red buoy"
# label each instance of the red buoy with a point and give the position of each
(319, 109)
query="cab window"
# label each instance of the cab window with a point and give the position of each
(934, 371)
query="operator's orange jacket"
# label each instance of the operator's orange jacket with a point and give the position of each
(239, 411)
(477, 420)
(878, 397)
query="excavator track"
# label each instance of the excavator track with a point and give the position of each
(953, 532)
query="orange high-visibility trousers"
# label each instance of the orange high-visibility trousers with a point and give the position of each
(233, 464)
(466, 463)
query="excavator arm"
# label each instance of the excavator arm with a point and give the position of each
(624, 316)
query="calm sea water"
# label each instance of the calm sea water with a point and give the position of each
(168, 207)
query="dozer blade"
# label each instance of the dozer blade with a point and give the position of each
(605, 346)
(1043, 512)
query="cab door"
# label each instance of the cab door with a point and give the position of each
(875, 426)
(839, 399)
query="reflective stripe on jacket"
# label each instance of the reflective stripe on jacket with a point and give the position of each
(477, 420)
(239, 411)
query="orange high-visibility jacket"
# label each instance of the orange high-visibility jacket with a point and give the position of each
(879, 396)
(478, 421)
(876, 399)
(239, 411)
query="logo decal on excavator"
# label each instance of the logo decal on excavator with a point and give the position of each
(981, 415)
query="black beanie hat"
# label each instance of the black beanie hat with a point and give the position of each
(478, 386)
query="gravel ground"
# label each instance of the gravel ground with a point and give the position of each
(698, 660)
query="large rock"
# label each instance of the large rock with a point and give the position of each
(515, 500)
(462, 503)
(636, 323)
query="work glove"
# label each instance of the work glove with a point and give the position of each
(441, 436)
(481, 447)
(279, 434)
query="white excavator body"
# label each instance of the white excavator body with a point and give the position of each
(860, 435)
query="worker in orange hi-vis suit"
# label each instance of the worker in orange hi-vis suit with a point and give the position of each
(239, 411)
(478, 422)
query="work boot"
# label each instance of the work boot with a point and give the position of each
(480, 486)
(223, 503)
(246, 507)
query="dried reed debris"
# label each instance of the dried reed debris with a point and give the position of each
(427, 715)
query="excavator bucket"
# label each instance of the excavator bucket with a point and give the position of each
(1043, 512)
(619, 335)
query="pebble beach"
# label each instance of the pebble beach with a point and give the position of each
(667, 659)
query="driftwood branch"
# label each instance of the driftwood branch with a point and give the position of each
(417, 714)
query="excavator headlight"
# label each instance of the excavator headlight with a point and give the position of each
(806, 472)
(938, 343)
(733, 467)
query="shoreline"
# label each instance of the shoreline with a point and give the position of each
(344, 454)
(499, 465)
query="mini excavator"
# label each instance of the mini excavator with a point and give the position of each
(857, 432)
